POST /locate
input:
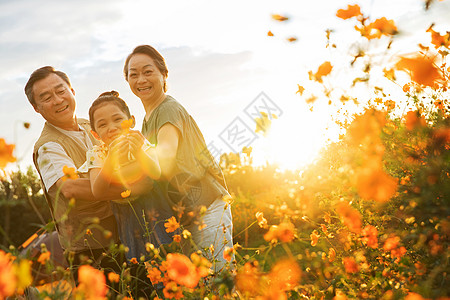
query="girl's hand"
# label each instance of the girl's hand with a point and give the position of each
(136, 140)
(119, 151)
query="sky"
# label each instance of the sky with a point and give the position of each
(221, 60)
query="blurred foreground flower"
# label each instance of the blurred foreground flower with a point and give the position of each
(126, 125)
(323, 70)
(350, 216)
(284, 276)
(350, 12)
(8, 279)
(439, 40)
(285, 232)
(92, 284)
(6, 153)
(181, 270)
(421, 69)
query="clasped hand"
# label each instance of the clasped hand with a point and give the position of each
(125, 148)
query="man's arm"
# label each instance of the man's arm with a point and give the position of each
(79, 188)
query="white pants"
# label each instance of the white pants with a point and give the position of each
(218, 232)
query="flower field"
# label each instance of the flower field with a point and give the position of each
(368, 219)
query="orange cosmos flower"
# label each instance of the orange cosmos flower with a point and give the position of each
(323, 70)
(262, 222)
(389, 73)
(414, 296)
(181, 270)
(370, 236)
(414, 119)
(172, 291)
(421, 70)
(125, 194)
(366, 128)
(300, 89)
(228, 252)
(350, 265)
(285, 232)
(390, 105)
(284, 276)
(374, 184)
(6, 153)
(439, 104)
(279, 18)
(439, 40)
(314, 238)
(171, 224)
(134, 261)
(202, 264)
(126, 125)
(8, 280)
(350, 216)
(92, 283)
(384, 26)
(324, 228)
(113, 277)
(271, 235)
(247, 279)
(391, 243)
(44, 257)
(331, 255)
(350, 12)
(327, 217)
(177, 238)
(154, 275)
(69, 173)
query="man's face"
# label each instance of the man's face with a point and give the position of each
(55, 101)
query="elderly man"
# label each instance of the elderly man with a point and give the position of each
(86, 226)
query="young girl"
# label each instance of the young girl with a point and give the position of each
(126, 162)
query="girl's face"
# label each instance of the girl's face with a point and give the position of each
(144, 78)
(107, 121)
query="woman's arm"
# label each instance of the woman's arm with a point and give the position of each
(166, 150)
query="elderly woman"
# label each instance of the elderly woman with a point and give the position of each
(191, 180)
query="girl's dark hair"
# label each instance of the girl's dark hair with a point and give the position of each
(155, 55)
(104, 98)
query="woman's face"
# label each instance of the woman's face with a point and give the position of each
(144, 78)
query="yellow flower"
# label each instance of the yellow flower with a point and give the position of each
(186, 234)
(69, 173)
(126, 125)
(125, 194)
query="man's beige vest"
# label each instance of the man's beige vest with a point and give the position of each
(72, 222)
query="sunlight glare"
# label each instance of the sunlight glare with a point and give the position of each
(294, 142)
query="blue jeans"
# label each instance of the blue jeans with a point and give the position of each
(218, 232)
